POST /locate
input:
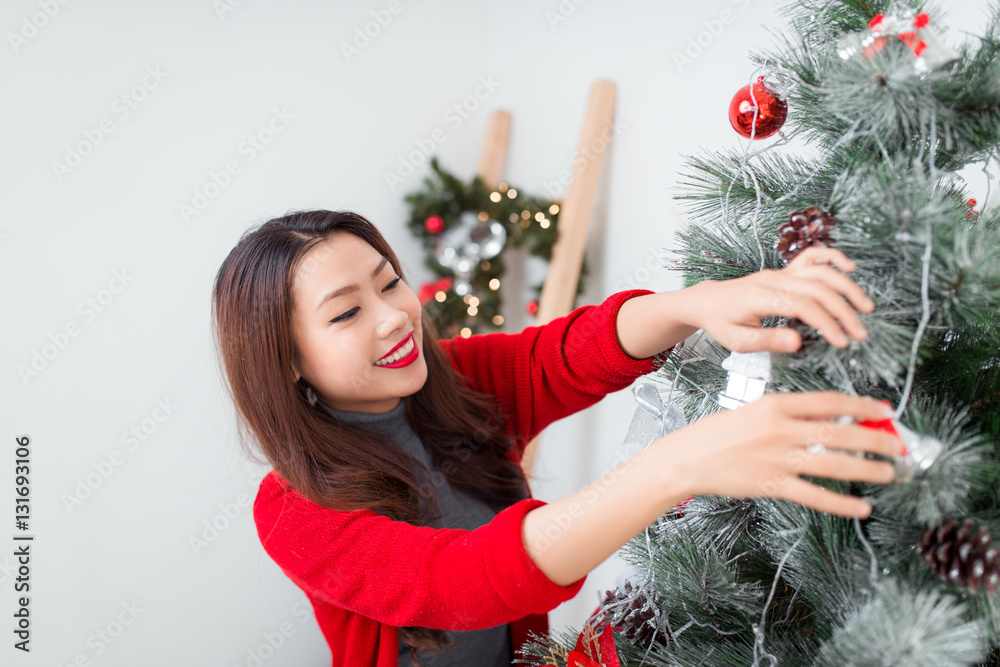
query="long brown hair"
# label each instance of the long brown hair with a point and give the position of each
(334, 464)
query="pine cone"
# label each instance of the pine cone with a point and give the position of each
(634, 613)
(960, 555)
(806, 228)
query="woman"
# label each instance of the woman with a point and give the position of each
(396, 501)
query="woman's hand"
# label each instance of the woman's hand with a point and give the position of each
(761, 449)
(731, 310)
(758, 450)
(808, 288)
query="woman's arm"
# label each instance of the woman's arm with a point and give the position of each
(401, 574)
(547, 372)
(570, 537)
(758, 450)
(651, 323)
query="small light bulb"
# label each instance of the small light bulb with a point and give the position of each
(466, 332)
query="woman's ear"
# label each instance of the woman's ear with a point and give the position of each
(296, 373)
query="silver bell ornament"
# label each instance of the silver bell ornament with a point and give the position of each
(466, 244)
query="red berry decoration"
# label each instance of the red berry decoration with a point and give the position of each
(434, 224)
(532, 308)
(429, 290)
(972, 209)
(806, 228)
(771, 111)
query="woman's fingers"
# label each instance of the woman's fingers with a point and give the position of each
(814, 255)
(821, 307)
(845, 467)
(824, 405)
(822, 499)
(841, 284)
(746, 338)
(817, 315)
(853, 438)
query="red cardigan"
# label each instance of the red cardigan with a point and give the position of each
(366, 575)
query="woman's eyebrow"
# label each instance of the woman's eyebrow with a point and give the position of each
(347, 289)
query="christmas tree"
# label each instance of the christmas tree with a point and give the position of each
(894, 121)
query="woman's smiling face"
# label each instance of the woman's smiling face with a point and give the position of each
(350, 311)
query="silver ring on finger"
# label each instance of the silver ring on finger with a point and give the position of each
(815, 448)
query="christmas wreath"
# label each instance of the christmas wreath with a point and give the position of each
(465, 229)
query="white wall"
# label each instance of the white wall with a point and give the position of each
(65, 237)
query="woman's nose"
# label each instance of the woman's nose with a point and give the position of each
(391, 319)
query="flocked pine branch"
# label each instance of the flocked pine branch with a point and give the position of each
(767, 582)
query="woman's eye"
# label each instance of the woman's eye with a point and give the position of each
(354, 311)
(346, 316)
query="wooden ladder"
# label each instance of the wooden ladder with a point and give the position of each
(559, 289)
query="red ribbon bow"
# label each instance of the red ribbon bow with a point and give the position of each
(914, 30)
(594, 649)
(884, 28)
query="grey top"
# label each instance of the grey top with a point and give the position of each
(474, 648)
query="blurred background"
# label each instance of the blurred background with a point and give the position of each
(119, 117)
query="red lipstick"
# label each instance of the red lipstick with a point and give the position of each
(403, 361)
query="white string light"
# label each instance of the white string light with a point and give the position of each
(758, 628)
(924, 319)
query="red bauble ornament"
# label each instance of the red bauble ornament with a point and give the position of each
(532, 308)
(771, 112)
(434, 224)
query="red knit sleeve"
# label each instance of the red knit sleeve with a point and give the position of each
(401, 574)
(548, 372)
